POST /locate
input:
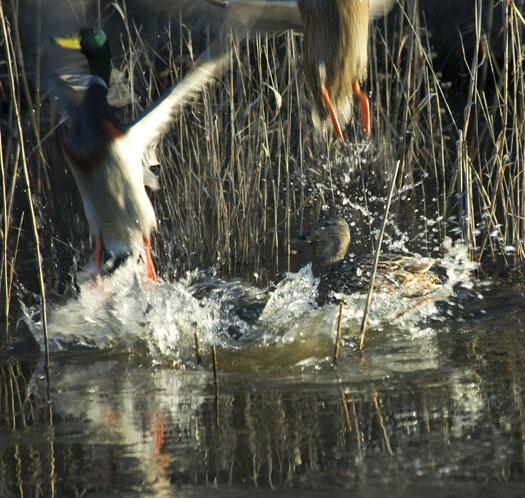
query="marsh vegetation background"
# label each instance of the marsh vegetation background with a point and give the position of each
(242, 170)
(434, 408)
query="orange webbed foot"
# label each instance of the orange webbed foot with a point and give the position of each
(325, 95)
(364, 108)
(150, 267)
(99, 256)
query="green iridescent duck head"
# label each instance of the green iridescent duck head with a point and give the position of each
(94, 44)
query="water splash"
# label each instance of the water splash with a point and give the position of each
(123, 313)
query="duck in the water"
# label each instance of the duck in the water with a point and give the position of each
(335, 44)
(407, 276)
(106, 157)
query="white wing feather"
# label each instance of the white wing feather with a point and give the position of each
(380, 7)
(238, 15)
(148, 128)
(264, 15)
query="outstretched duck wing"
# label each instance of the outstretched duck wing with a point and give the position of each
(264, 15)
(275, 15)
(147, 129)
(239, 15)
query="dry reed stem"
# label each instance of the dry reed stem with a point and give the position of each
(357, 431)
(375, 399)
(214, 362)
(198, 357)
(12, 71)
(364, 321)
(4, 275)
(346, 413)
(516, 11)
(337, 347)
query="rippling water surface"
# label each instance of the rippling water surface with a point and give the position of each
(434, 405)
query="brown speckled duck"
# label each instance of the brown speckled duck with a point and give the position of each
(408, 276)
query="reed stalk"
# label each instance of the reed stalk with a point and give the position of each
(337, 347)
(12, 71)
(386, 212)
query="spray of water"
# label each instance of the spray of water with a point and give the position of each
(123, 313)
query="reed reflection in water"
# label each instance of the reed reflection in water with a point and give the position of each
(115, 427)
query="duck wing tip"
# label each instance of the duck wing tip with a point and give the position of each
(380, 8)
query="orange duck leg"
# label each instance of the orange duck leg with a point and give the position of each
(325, 95)
(150, 267)
(99, 254)
(364, 108)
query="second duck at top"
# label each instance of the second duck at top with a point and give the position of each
(335, 44)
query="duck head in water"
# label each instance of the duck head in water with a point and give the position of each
(329, 239)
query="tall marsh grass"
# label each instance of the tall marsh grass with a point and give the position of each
(243, 171)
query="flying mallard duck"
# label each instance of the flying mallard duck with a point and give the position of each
(335, 41)
(107, 158)
(408, 276)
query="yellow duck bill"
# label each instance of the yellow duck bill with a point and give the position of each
(71, 41)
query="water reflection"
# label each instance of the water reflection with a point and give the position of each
(389, 420)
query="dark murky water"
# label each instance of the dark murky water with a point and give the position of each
(436, 409)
